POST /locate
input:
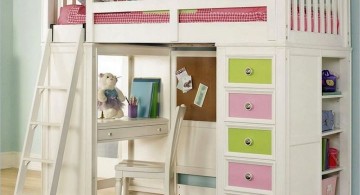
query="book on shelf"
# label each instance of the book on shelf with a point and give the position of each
(325, 154)
(147, 91)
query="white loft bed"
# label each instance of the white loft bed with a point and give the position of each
(279, 25)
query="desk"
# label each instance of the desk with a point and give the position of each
(110, 130)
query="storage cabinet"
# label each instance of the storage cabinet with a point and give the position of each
(269, 120)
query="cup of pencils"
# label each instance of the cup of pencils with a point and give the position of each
(133, 107)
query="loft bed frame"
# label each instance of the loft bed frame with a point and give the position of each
(282, 28)
(279, 27)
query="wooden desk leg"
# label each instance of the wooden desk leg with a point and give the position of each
(131, 149)
(126, 183)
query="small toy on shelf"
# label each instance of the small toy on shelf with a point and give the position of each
(110, 98)
(328, 81)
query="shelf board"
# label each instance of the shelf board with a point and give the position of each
(333, 170)
(332, 132)
(331, 95)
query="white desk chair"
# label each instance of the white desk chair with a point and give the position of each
(153, 170)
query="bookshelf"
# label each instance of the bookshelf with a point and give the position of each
(339, 102)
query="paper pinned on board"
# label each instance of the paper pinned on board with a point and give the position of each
(200, 95)
(184, 80)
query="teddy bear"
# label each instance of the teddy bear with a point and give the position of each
(110, 98)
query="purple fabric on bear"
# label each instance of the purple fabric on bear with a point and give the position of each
(111, 102)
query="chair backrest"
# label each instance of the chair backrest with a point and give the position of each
(173, 135)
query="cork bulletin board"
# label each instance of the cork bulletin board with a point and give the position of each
(202, 70)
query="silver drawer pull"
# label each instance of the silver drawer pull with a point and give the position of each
(248, 141)
(110, 134)
(159, 129)
(248, 106)
(248, 71)
(249, 176)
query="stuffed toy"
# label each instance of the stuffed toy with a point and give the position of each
(110, 98)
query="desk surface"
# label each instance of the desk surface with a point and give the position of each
(130, 128)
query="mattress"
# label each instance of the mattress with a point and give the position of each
(76, 14)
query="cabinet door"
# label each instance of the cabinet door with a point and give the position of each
(304, 115)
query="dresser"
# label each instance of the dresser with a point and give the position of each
(269, 106)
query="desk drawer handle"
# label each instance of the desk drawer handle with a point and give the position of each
(249, 176)
(248, 141)
(109, 134)
(248, 106)
(248, 71)
(159, 129)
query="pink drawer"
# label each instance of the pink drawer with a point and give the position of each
(255, 106)
(250, 176)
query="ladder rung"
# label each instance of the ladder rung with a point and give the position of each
(52, 88)
(47, 161)
(46, 124)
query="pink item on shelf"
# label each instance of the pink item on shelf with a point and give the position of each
(333, 158)
(329, 185)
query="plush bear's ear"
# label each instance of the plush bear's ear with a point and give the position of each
(101, 75)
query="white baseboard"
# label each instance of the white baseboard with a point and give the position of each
(106, 167)
(12, 160)
(195, 190)
(9, 160)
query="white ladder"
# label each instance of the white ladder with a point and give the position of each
(63, 125)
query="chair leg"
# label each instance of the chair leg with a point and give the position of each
(118, 186)
(167, 187)
(126, 185)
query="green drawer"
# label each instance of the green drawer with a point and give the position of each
(253, 71)
(254, 141)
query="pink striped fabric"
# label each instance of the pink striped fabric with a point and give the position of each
(243, 14)
(306, 29)
(76, 15)
(135, 17)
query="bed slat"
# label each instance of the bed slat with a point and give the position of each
(316, 15)
(335, 16)
(328, 16)
(295, 15)
(302, 15)
(322, 16)
(308, 16)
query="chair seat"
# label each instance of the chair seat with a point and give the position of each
(140, 166)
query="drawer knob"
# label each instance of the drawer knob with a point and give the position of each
(248, 141)
(109, 134)
(248, 71)
(159, 129)
(249, 176)
(248, 106)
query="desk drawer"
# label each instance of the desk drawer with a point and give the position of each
(251, 141)
(251, 71)
(129, 133)
(248, 105)
(250, 176)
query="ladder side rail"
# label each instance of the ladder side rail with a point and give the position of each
(67, 113)
(45, 58)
